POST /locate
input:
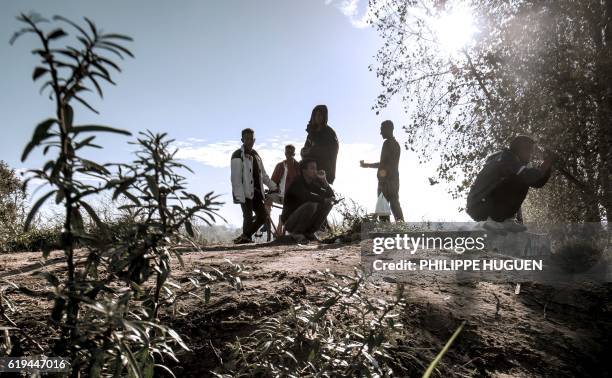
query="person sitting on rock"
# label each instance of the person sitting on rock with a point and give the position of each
(308, 201)
(503, 183)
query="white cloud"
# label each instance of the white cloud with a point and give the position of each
(350, 8)
(419, 199)
(215, 155)
(360, 16)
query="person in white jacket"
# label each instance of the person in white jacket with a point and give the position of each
(248, 179)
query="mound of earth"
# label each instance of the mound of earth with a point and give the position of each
(542, 331)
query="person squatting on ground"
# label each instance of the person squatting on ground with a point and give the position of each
(248, 177)
(284, 173)
(503, 183)
(388, 169)
(308, 201)
(321, 143)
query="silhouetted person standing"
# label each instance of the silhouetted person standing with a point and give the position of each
(388, 169)
(503, 183)
(321, 143)
(248, 178)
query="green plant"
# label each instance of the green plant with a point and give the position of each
(352, 217)
(34, 239)
(106, 308)
(348, 333)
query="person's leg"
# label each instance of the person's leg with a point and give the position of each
(260, 217)
(298, 222)
(317, 219)
(390, 190)
(506, 200)
(247, 216)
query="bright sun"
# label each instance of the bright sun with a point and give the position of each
(455, 28)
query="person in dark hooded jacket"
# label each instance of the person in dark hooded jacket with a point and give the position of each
(321, 143)
(503, 183)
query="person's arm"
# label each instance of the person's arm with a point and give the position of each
(325, 190)
(278, 173)
(266, 179)
(369, 165)
(538, 177)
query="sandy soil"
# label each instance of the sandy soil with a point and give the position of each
(542, 331)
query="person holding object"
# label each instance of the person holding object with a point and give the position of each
(248, 177)
(388, 170)
(321, 143)
(308, 201)
(502, 185)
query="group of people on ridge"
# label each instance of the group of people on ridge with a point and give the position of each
(304, 188)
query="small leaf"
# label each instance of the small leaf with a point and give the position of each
(38, 72)
(153, 185)
(35, 209)
(189, 229)
(88, 128)
(68, 116)
(40, 133)
(118, 47)
(85, 103)
(118, 36)
(57, 33)
(92, 214)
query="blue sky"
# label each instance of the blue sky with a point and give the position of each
(204, 70)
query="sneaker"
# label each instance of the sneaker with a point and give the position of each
(509, 225)
(298, 238)
(312, 237)
(243, 239)
(513, 226)
(493, 226)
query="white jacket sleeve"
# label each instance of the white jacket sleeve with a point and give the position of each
(237, 186)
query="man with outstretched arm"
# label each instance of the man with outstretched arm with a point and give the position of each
(308, 201)
(502, 185)
(388, 169)
(248, 179)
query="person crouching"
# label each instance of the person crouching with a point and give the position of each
(308, 201)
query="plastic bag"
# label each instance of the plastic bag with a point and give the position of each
(382, 206)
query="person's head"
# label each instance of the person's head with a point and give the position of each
(248, 139)
(318, 117)
(308, 168)
(289, 151)
(386, 129)
(522, 146)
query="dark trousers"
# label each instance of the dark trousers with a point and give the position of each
(250, 225)
(504, 202)
(390, 189)
(307, 218)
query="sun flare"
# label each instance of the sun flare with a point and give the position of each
(455, 28)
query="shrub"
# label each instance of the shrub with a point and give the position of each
(34, 239)
(349, 333)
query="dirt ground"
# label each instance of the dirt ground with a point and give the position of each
(542, 331)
